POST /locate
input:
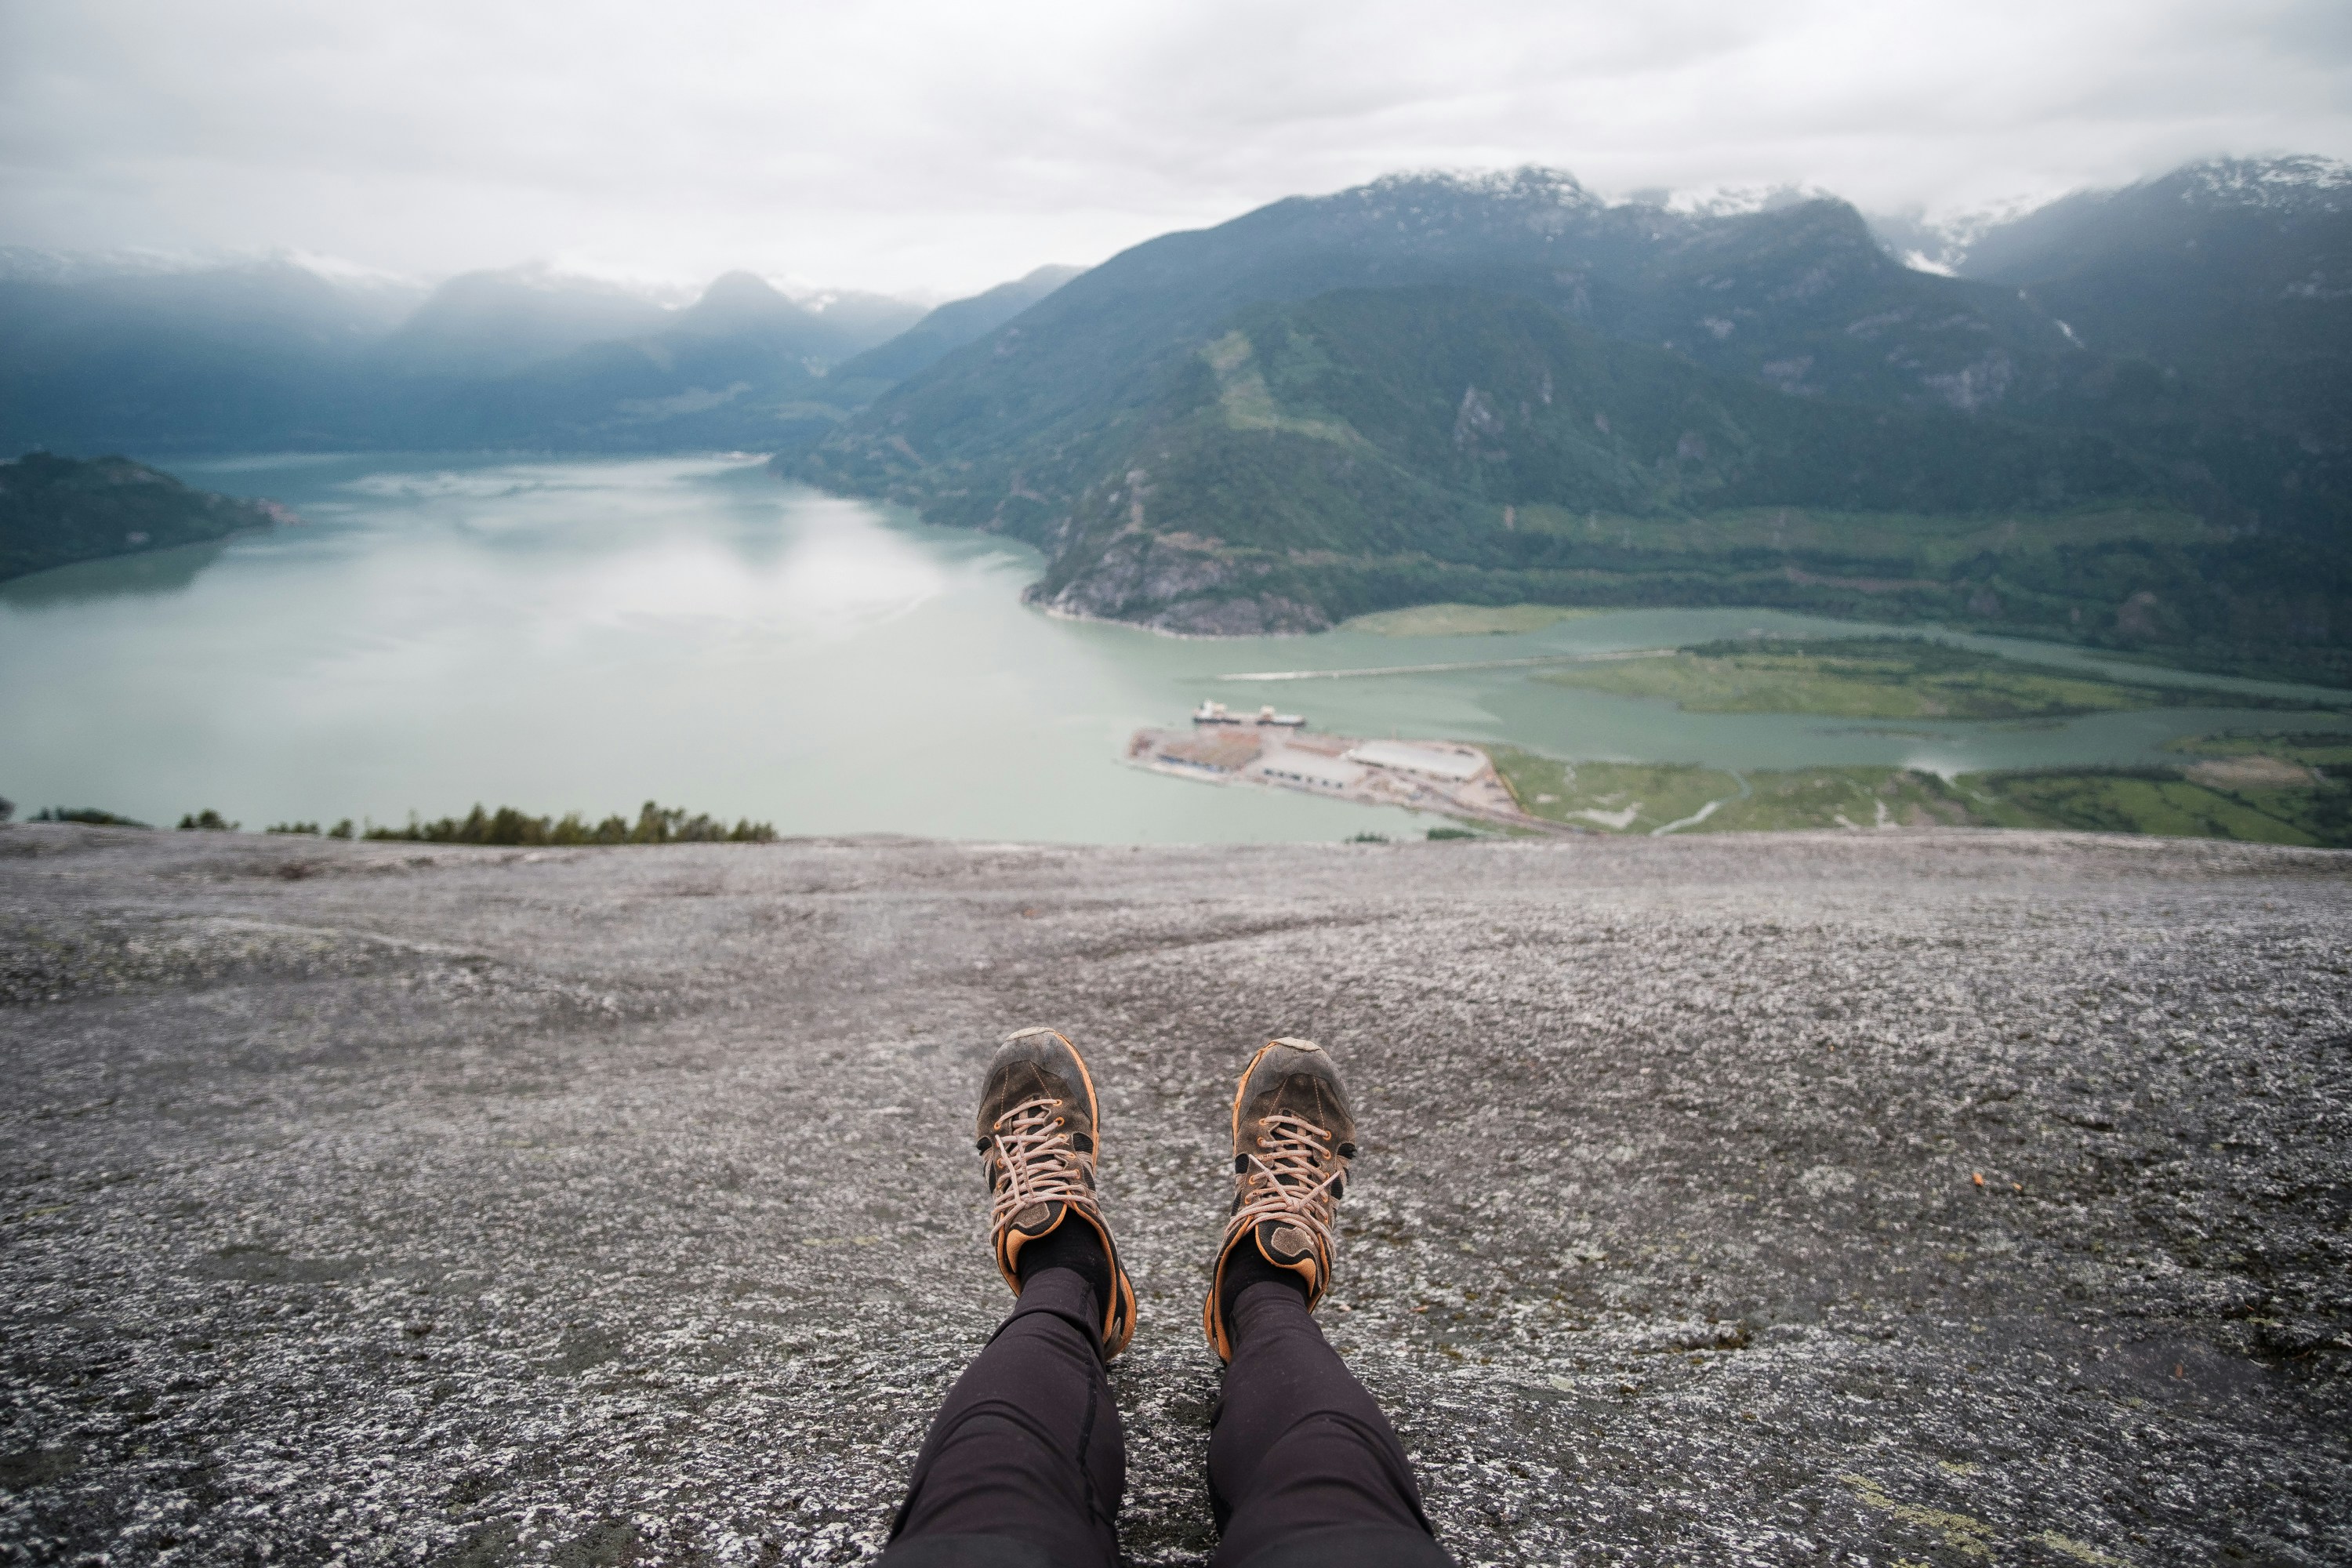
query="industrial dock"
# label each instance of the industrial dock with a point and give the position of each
(1277, 752)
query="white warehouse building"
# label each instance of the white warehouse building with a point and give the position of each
(1430, 761)
(1310, 768)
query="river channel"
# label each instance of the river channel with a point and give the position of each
(563, 634)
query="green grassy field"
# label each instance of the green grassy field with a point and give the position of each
(2161, 804)
(1645, 797)
(1876, 678)
(2309, 806)
(2326, 750)
(2281, 786)
(1462, 620)
(1616, 798)
(1845, 797)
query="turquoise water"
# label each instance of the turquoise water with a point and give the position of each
(587, 635)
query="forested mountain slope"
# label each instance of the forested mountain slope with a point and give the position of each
(56, 510)
(2234, 271)
(1370, 448)
(2217, 305)
(1504, 389)
(1770, 294)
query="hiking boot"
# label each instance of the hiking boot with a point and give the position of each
(1293, 1137)
(1039, 1137)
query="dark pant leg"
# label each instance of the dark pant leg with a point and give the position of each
(1025, 1466)
(1303, 1467)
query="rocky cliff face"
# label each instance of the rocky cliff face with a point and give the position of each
(1950, 1197)
(1188, 586)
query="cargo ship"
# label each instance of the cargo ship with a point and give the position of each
(1217, 713)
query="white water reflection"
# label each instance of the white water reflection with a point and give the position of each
(589, 635)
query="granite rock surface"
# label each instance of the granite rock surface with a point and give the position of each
(1926, 1198)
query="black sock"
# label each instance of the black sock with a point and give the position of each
(1248, 1266)
(1071, 1245)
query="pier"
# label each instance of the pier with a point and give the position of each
(1276, 752)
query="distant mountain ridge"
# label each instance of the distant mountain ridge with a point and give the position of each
(1271, 423)
(2124, 417)
(743, 366)
(494, 324)
(2236, 272)
(951, 327)
(272, 354)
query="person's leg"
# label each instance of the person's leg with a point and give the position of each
(1300, 1453)
(1303, 1470)
(1024, 1467)
(1024, 1464)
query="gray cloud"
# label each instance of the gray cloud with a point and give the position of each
(915, 145)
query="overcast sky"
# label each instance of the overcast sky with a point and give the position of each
(937, 146)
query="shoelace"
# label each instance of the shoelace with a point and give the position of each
(1287, 1182)
(1040, 1164)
